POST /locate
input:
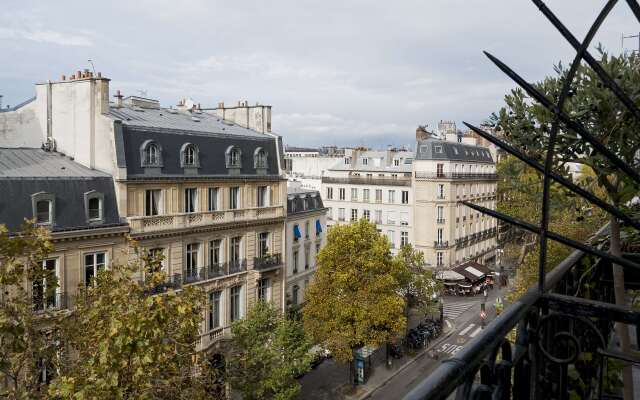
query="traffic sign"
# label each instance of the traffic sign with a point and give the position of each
(483, 315)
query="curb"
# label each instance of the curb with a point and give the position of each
(407, 364)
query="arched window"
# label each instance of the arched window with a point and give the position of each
(233, 157)
(260, 158)
(189, 156)
(151, 154)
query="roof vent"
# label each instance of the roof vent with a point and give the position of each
(195, 119)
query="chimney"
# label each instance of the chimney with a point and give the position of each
(118, 97)
(63, 78)
(221, 104)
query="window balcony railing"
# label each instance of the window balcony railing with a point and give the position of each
(441, 244)
(360, 180)
(456, 175)
(236, 266)
(144, 224)
(50, 302)
(268, 261)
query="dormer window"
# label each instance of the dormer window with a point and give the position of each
(233, 157)
(43, 205)
(260, 158)
(94, 206)
(189, 156)
(151, 154)
(438, 149)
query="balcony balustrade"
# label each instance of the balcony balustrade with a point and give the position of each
(362, 180)
(267, 261)
(236, 266)
(441, 244)
(50, 302)
(145, 224)
(456, 175)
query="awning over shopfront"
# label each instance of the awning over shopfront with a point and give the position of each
(472, 271)
(449, 276)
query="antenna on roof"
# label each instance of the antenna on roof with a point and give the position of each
(92, 66)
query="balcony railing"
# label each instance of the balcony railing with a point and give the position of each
(441, 244)
(50, 302)
(268, 261)
(236, 266)
(363, 180)
(456, 175)
(144, 224)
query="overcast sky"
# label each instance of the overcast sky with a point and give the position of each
(336, 72)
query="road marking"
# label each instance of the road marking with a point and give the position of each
(475, 332)
(467, 329)
(448, 323)
(448, 348)
(453, 310)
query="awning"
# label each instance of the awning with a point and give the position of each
(296, 232)
(472, 271)
(449, 276)
(318, 226)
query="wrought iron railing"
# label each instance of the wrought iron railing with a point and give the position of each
(456, 175)
(363, 180)
(268, 261)
(564, 326)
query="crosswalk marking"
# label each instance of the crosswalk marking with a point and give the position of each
(474, 333)
(467, 329)
(453, 310)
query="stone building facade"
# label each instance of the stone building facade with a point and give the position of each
(205, 192)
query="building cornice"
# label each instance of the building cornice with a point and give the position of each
(206, 228)
(90, 233)
(306, 213)
(202, 178)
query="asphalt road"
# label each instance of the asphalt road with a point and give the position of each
(466, 325)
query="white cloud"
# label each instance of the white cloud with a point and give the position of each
(46, 36)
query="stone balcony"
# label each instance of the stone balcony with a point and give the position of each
(156, 223)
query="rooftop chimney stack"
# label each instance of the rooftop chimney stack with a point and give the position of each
(118, 97)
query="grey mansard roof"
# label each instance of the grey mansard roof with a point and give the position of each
(25, 172)
(452, 151)
(171, 129)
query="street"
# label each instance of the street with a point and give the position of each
(464, 314)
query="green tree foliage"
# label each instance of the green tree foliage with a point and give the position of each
(125, 343)
(24, 344)
(527, 125)
(268, 352)
(355, 297)
(418, 284)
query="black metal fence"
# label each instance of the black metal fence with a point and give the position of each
(563, 327)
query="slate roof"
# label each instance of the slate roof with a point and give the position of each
(171, 129)
(296, 201)
(24, 172)
(171, 119)
(453, 151)
(37, 163)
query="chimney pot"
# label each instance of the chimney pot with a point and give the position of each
(72, 77)
(62, 78)
(221, 104)
(78, 74)
(99, 74)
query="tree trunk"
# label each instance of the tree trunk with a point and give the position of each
(620, 296)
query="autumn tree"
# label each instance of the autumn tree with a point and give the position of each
(268, 352)
(126, 342)
(355, 298)
(527, 125)
(27, 319)
(418, 284)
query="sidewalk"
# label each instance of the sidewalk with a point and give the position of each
(323, 382)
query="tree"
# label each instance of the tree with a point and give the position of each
(418, 284)
(126, 343)
(269, 351)
(26, 337)
(355, 298)
(528, 125)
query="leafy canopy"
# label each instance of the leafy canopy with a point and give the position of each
(126, 343)
(268, 352)
(355, 298)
